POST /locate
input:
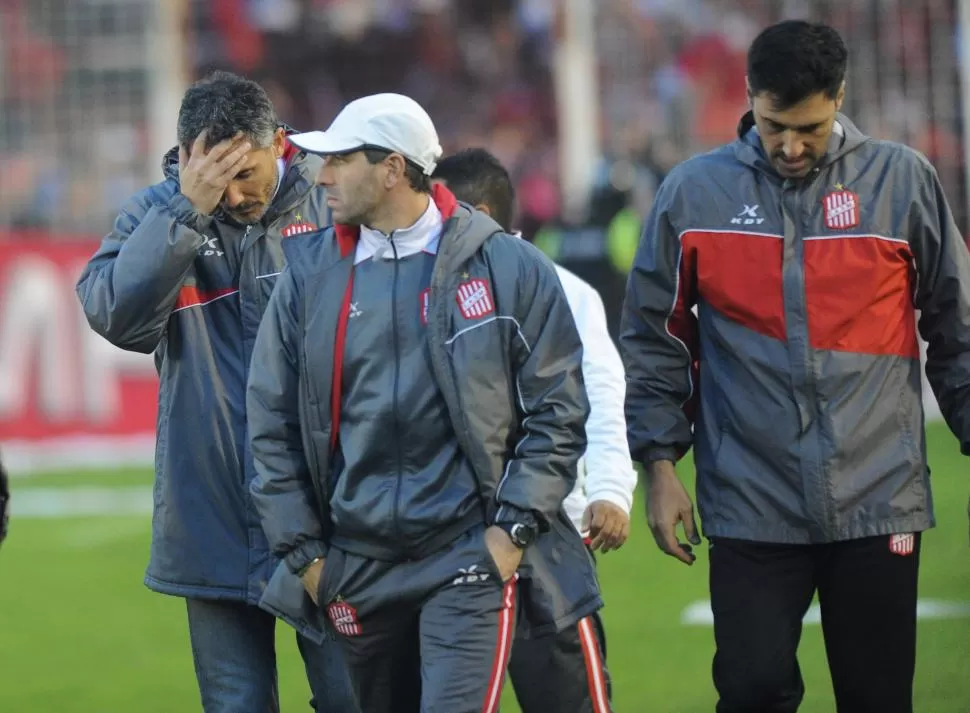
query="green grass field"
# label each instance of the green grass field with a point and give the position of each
(79, 631)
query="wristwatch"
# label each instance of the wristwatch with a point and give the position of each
(521, 534)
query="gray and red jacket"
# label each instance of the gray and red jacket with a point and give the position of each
(798, 381)
(192, 290)
(510, 375)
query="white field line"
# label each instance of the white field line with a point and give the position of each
(699, 613)
(84, 501)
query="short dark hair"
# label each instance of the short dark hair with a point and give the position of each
(476, 177)
(794, 59)
(417, 179)
(224, 104)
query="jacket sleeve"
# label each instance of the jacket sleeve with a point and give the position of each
(549, 391)
(129, 287)
(609, 469)
(658, 337)
(283, 488)
(943, 298)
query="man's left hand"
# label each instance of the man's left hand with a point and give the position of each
(506, 555)
(608, 525)
(311, 579)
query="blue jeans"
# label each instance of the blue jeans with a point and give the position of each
(234, 649)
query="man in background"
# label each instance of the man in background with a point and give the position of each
(567, 671)
(186, 274)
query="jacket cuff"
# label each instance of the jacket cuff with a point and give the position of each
(617, 496)
(303, 555)
(511, 513)
(185, 213)
(652, 455)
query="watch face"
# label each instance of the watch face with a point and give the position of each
(521, 535)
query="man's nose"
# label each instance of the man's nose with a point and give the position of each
(325, 176)
(793, 146)
(233, 196)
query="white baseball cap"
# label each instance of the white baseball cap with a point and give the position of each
(381, 121)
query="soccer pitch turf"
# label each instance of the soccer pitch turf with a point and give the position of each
(79, 631)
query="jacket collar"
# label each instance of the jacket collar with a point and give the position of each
(846, 137)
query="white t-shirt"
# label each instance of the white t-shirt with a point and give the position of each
(606, 470)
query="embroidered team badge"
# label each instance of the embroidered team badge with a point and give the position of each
(424, 302)
(841, 209)
(902, 545)
(475, 299)
(344, 618)
(297, 229)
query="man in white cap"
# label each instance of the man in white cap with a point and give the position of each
(416, 409)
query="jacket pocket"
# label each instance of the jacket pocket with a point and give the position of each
(558, 580)
(486, 559)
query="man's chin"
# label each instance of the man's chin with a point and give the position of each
(796, 171)
(340, 218)
(248, 217)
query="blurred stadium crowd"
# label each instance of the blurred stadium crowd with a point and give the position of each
(75, 113)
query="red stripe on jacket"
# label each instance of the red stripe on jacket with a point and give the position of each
(859, 292)
(194, 297)
(858, 288)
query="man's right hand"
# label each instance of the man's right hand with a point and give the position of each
(668, 504)
(311, 579)
(204, 177)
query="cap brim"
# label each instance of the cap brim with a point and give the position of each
(323, 142)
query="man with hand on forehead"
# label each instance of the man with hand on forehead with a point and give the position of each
(186, 273)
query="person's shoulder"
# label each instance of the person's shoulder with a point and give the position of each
(720, 159)
(156, 194)
(312, 250)
(719, 166)
(504, 248)
(877, 162)
(584, 301)
(896, 155)
(576, 286)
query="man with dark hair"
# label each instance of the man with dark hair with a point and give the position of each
(186, 273)
(479, 179)
(567, 671)
(417, 412)
(806, 248)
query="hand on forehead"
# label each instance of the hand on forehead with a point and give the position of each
(227, 144)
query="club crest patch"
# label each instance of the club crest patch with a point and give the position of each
(297, 229)
(344, 618)
(841, 209)
(902, 544)
(475, 299)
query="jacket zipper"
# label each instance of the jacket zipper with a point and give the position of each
(394, 399)
(242, 332)
(808, 411)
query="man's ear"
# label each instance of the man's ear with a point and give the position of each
(279, 142)
(396, 170)
(484, 209)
